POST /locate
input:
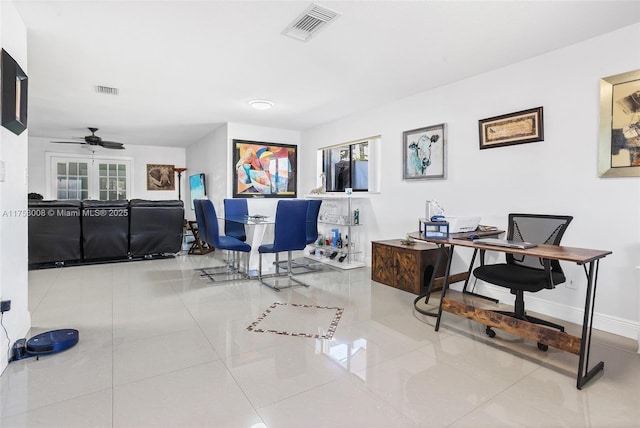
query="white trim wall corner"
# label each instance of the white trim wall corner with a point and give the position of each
(13, 199)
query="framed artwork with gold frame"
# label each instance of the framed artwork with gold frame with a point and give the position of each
(619, 136)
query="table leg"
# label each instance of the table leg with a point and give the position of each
(584, 374)
(426, 295)
(445, 286)
(254, 257)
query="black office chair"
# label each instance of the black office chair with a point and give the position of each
(523, 273)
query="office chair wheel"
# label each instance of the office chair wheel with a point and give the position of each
(543, 347)
(490, 332)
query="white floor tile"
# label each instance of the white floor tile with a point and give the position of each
(200, 396)
(160, 346)
(338, 404)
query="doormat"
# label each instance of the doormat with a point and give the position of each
(292, 319)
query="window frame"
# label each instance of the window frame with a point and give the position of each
(325, 163)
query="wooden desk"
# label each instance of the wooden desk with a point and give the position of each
(589, 259)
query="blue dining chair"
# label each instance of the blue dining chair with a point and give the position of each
(235, 208)
(312, 220)
(290, 234)
(206, 215)
(313, 210)
(202, 226)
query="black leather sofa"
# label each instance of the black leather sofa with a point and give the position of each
(74, 232)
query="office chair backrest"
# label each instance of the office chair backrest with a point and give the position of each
(202, 226)
(537, 229)
(312, 220)
(290, 230)
(235, 208)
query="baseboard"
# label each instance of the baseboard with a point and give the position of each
(608, 323)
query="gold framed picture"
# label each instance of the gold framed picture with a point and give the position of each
(619, 136)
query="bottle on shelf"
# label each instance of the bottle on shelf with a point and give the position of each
(334, 242)
(339, 240)
(356, 216)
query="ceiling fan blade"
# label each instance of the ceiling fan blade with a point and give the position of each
(111, 145)
(68, 142)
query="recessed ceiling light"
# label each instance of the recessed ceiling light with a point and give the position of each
(261, 104)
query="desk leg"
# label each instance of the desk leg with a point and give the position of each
(426, 295)
(584, 374)
(466, 282)
(445, 286)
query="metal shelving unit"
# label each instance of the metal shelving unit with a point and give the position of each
(343, 221)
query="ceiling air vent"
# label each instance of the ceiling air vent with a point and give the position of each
(107, 90)
(310, 22)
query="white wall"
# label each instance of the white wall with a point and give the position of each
(13, 199)
(558, 175)
(213, 156)
(141, 155)
(209, 156)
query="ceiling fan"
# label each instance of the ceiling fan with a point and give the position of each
(94, 140)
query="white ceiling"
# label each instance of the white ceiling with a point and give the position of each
(185, 67)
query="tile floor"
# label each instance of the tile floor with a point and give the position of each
(161, 347)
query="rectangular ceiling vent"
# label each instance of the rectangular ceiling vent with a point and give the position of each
(107, 90)
(310, 22)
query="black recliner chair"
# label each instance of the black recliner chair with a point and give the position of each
(155, 227)
(54, 231)
(105, 229)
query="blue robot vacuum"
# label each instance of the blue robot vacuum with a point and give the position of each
(49, 342)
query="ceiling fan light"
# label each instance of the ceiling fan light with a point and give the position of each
(261, 104)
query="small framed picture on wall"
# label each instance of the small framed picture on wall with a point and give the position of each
(160, 177)
(424, 153)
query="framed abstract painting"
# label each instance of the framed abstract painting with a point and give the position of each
(264, 170)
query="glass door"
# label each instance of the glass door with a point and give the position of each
(80, 178)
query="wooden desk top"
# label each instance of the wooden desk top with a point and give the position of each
(551, 252)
